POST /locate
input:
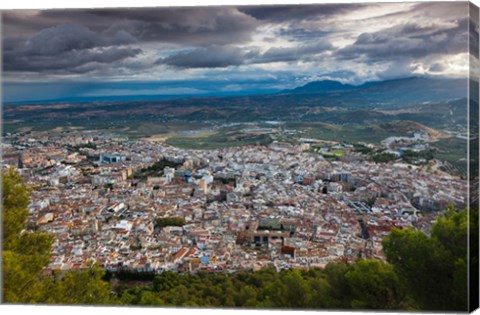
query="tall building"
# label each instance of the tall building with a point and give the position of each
(169, 174)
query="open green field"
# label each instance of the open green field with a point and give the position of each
(350, 133)
(218, 140)
(454, 151)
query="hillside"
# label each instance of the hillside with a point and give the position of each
(390, 92)
(321, 86)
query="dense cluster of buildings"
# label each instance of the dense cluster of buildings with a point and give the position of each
(240, 207)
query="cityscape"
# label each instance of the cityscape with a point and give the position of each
(246, 207)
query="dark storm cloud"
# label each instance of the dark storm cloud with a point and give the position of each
(67, 62)
(61, 54)
(193, 26)
(437, 67)
(300, 52)
(209, 57)
(69, 39)
(62, 38)
(225, 56)
(25, 23)
(300, 33)
(117, 43)
(222, 55)
(282, 13)
(64, 48)
(408, 41)
(473, 36)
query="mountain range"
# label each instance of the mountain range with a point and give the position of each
(413, 89)
(397, 91)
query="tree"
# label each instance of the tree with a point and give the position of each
(434, 267)
(166, 281)
(375, 285)
(452, 232)
(339, 292)
(149, 298)
(247, 296)
(15, 199)
(275, 292)
(297, 293)
(319, 292)
(26, 253)
(77, 287)
(170, 221)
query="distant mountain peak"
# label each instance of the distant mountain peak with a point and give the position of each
(320, 87)
(326, 86)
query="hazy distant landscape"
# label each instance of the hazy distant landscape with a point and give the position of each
(323, 110)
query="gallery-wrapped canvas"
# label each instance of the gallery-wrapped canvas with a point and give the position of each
(305, 156)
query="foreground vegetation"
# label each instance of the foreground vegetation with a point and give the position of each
(26, 253)
(421, 273)
(156, 169)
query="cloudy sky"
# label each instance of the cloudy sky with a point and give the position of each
(49, 54)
